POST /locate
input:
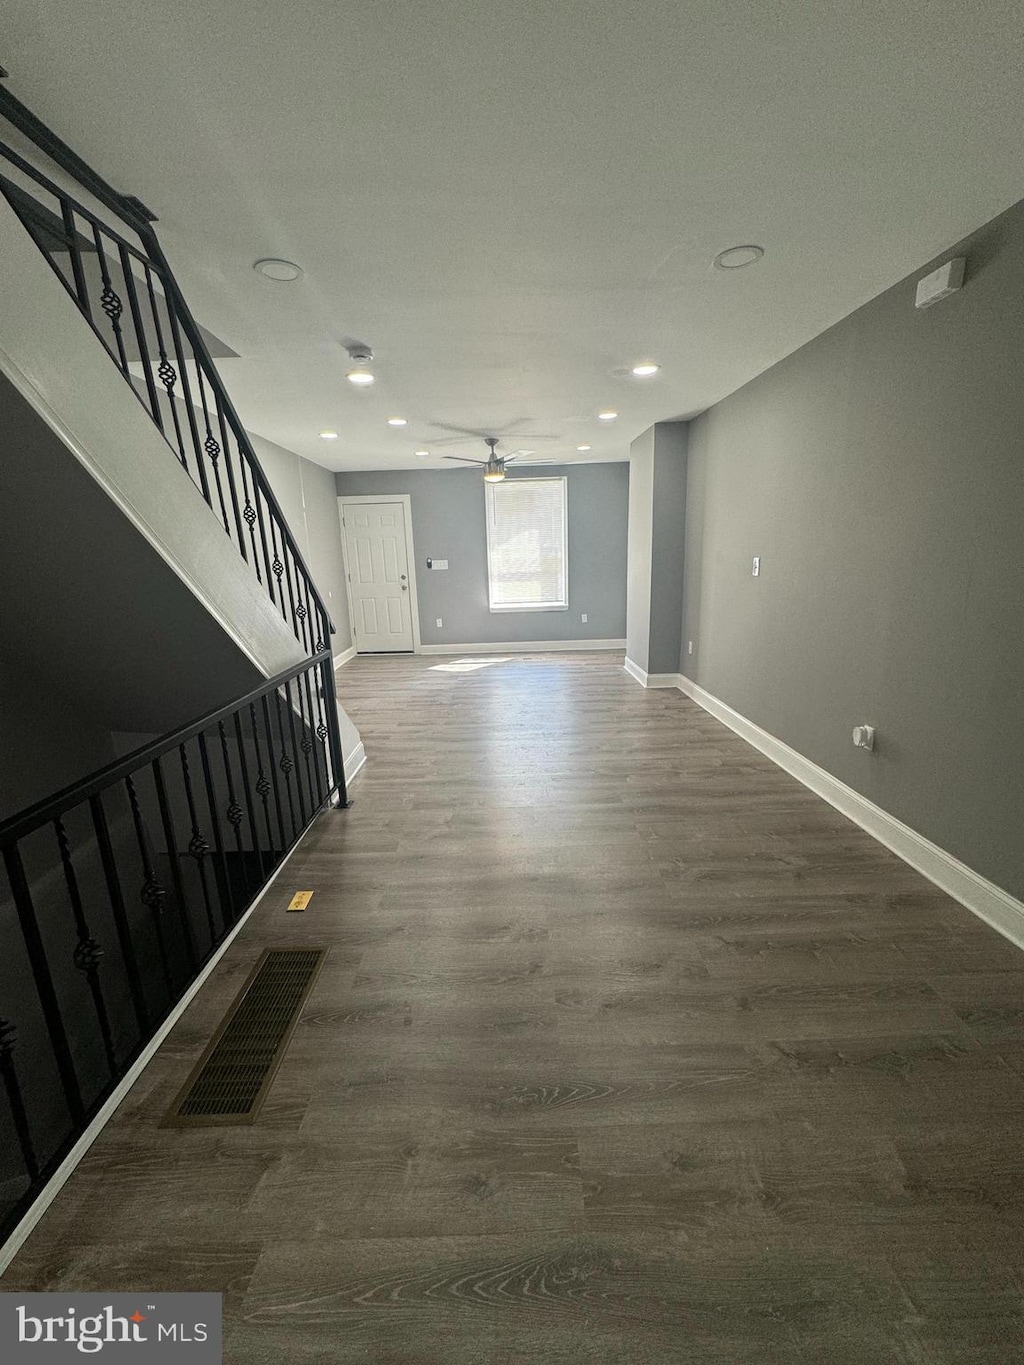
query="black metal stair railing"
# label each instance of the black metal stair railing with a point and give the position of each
(115, 892)
(128, 295)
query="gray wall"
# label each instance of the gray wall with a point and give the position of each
(670, 453)
(879, 472)
(641, 548)
(307, 496)
(448, 523)
(657, 509)
(90, 609)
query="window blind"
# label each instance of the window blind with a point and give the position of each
(527, 545)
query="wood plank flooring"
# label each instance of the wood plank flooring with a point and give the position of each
(627, 1050)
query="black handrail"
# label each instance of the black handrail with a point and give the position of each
(199, 426)
(120, 887)
(130, 209)
(43, 812)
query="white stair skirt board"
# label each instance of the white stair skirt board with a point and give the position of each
(344, 656)
(354, 762)
(646, 679)
(525, 647)
(57, 1181)
(982, 897)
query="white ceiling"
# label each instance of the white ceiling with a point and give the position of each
(514, 200)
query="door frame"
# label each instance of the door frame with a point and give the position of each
(403, 500)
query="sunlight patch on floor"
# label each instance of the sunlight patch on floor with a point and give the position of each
(469, 665)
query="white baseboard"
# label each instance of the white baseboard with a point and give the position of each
(355, 760)
(57, 1181)
(646, 679)
(524, 647)
(984, 898)
(344, 656)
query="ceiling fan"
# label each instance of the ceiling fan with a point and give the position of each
(493, 466)
(508, 432)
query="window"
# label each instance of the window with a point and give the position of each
(527, 542)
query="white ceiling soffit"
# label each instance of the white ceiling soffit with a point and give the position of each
(513, 201)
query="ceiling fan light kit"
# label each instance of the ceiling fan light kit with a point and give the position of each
(493, 466)
(360, 373)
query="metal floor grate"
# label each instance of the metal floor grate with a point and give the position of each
(230, 1081)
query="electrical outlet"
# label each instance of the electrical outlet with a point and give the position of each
(440, 623)
(583, 618)
(689, 646)
(755, 567)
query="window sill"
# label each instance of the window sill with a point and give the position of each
(531, 607)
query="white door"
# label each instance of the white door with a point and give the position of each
(378, 567)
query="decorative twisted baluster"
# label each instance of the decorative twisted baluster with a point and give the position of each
(262, 784)
(110, 301)
(166, 372)
(234, 812)
(249, 516)
(87, 954)
(198, 848)
(248, 789)
(286, 765)
(306, 722)
(268, 730)
(8, 1038)
(211, 445)
(111, 304)
(151, 893)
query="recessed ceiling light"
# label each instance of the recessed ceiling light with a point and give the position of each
(736, 257)
(645, 369)
(361, 377)
(271, 268)
(328, 436)
(421, 453)
(607, 416)
(397, 422)
(582, 448)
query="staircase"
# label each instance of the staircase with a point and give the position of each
(140, 539)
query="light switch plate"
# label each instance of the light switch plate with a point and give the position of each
(755, 567)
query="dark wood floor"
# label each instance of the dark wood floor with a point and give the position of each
(628, 1051)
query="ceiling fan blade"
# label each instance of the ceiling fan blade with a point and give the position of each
(462, 431)
(448, 441)
(463, 459)
(507, 459)
(510, 429)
